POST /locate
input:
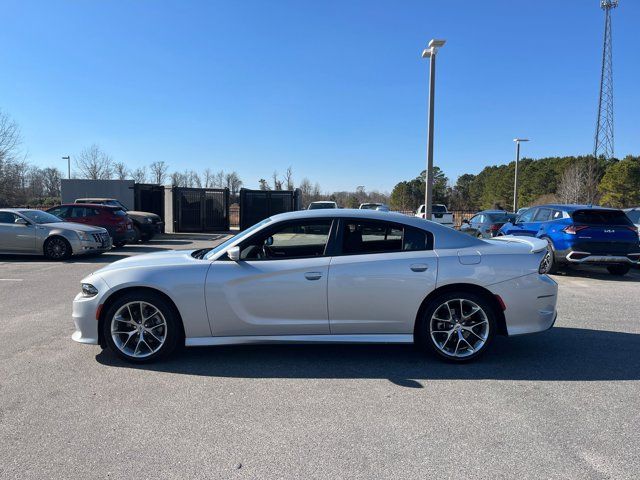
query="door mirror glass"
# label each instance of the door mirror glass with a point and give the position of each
(268, 241)
(234, 253)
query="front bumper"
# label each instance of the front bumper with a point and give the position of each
(127, 236)
(95, 245)
(530, 303)
(85, 311)
(151, 228)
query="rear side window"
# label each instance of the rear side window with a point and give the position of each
(634, 216)
(361, 237)
(601, 217)
(119, 213)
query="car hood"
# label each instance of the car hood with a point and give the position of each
(78, 227)
(136, 213)
(158, 259)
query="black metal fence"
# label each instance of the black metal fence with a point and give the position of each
(256, 205)
(149, 197)
(200, 209)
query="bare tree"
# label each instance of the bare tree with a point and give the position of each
(264, 185)
(233, 182)
(94, 164)
(10, 139)
(208, 177)
(159, 172)
(193, 179)
(288, 178)
(574, 184)
(277, 184)
(219, 179)
(591, 180)
(120, 171)
(139, 175)
(52, 178)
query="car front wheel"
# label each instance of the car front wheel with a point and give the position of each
(141, 327)
(457, 326)
(57, 248)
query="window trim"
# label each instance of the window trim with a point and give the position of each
(344, 220)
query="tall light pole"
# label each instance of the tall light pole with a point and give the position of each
(515, 179)
(68, 159)
(430, 53)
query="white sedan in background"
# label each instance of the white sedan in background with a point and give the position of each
(322, 276)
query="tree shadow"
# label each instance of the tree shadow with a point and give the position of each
(560, 354)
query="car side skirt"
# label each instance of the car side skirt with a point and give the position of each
(271, 339)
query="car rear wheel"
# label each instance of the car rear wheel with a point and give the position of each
(457, 326)
(618, 270)
(138, 234)
(141, 327)
(57, 248)
(119, 244)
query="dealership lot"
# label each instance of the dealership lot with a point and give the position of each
(559, 404)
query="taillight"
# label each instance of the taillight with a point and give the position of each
(633, 228)
(573, 229)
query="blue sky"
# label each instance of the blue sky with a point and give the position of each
(336, 89)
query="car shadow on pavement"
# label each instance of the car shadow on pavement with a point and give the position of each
(560, 354)
(599, 273)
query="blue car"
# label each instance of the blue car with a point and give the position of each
(580, 234)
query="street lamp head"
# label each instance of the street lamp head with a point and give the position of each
(65, 158)
(434, 45)
(518, 140)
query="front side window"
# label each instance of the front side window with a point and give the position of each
(36, 216)
(542, 215)
(8, 217)
(526, 216)
(58, 211)
(301, 239)
(363, 237)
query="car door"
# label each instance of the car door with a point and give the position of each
(77, 215)
(279, 285)
(380, 277)
(523, 224)
(16, 237)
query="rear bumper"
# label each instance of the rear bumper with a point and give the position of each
(530, 303)
(581, 257)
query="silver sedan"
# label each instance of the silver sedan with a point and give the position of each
(34, 232)
(322, 276)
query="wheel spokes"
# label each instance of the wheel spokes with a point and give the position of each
(467, 320)
(138, 314)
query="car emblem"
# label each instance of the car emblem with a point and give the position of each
(609, 231)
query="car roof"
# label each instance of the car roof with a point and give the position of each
(92, 205)
(455, 237)
(493, 211)
(324, 201)
(572, 207)
(99, 199)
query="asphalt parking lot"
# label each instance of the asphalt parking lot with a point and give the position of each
(561, 404)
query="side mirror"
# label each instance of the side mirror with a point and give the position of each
(269, 241)
(21, 221)
(465, 221)
(234, 254)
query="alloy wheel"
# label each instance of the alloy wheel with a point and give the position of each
(459, 328)
(138, 329)
(56, 248)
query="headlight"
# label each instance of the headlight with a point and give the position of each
(148, 220)
(89, 290)
(84, 236)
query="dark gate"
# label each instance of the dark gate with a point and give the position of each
(149, 197)
(256, 205)
(201, 209)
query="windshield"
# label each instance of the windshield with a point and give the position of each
(634, 216)
(316, 206)
(502, 217)
(601, 217)
(439, 209)
(239, 236)
(369, 206)
(37, 216)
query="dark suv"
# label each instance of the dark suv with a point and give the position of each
(145, 224)
(114, 219)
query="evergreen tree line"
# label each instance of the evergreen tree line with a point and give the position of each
(614, 183)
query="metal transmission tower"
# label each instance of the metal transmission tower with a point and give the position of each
(603, 144)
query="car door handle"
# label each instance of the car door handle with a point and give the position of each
(313, 275)
(419, 267)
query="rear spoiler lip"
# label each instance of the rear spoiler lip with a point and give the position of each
(536, 244)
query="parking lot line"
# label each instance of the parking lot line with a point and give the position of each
(10, 279)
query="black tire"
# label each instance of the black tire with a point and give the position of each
(548, 265)
(146, 237)
(138, 234)
(619, 270)
(424, 336)
(119, 244)
(479, 235)
(57, 248)
(172, 328)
